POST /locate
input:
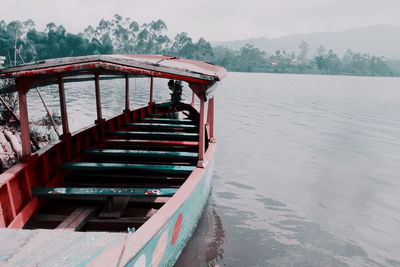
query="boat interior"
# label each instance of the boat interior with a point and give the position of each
(117, 182)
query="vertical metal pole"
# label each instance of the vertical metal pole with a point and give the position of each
(23, 113)
(126, 92)
(63, 106)
(98, 100)
(151, 90)
(210, 119)
(193, 99)
(201, 163)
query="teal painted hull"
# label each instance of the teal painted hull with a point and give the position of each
(162, 244)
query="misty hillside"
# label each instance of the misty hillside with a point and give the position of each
(382, 40)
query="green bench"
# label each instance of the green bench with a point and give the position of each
(166, 120)
(156, 135)
(105, 191)
(94, 166)
(162, 126)
(142, 153)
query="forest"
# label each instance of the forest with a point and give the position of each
(20, 40)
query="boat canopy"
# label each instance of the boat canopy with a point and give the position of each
(200, 75)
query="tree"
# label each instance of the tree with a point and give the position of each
(304, 48)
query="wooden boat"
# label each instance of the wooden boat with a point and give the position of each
(126, 191)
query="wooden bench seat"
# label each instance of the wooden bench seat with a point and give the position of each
(104, 191)
(166, 120)
(142, 153)
(157, 135)
(163, 126)
(94, 166)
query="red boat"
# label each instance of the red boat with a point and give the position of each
(126, 191)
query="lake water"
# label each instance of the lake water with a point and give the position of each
(307, 170)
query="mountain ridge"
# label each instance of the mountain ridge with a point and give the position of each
(379, 40)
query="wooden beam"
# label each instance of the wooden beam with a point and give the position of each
(210, 119)
(63, 107)
(151, 91)
(23, 88)
(77, 219)
(98, 99)
(126, 92)
(201, 163)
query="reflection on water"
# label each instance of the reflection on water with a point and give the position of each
(206, 245)
(306, 172)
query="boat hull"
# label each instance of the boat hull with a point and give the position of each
(165, 247)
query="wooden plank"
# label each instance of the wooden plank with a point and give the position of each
(93, 166)
(104, 191)
(141, 153)
(167, 120)
(157, 135)
(114, 208)
(162, 125)
(77, 219)
(151, 142)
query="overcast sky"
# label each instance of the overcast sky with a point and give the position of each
(215, 20)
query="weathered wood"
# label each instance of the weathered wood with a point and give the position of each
(98, 99)
(63, 106)
(153, 143)
(126, 92)
(23, 87)
(93, 166)
(133, 66)
(141, 153)
(105, 191)
(157, 135)
(77, 219)
(162, 126)
(167, 120)
(210, 119)
(151, 90)
(201, 163)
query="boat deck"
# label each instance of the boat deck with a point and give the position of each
(55, 248)
(123, 180)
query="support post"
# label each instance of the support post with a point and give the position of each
(63, 107)
(151, 91)
(210, 119)
(202, 162)
(192, 99)
(126, 92)
(98, 100)
(23, 88)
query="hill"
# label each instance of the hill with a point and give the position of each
(382, 40)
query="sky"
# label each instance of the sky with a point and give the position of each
(214, 20)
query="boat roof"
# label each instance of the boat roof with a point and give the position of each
(83, 68)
